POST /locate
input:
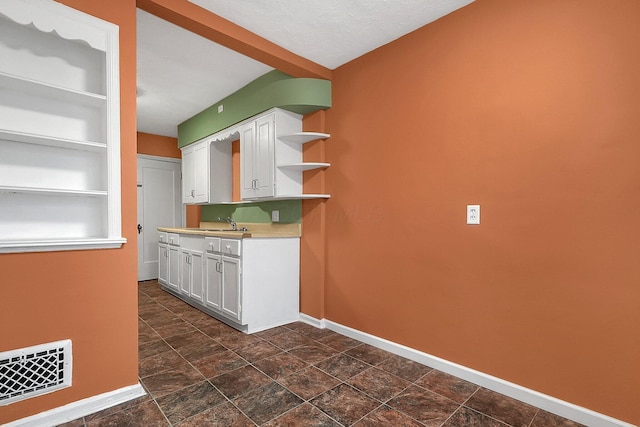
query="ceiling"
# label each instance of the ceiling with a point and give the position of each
(181, 73)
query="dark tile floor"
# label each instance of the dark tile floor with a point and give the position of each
(200, 372)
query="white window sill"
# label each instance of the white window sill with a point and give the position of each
(20, 246)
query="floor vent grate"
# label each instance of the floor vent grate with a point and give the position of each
(32, 371)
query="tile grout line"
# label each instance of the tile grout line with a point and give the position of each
(248, 363)
(342, 382)
(304, 331)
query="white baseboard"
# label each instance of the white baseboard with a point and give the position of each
(320, 324)
(548, 403)
(80, 408)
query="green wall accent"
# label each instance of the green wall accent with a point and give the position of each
(274, 89)
(259, 212)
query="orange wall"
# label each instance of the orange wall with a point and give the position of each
(158, 145)
(313, 240)
(531, 110)
(87, 296)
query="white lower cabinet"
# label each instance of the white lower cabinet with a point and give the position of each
(191, 265)
(169, 260)
(163, 258)
(223, 281)
(251, 284)
(225, 278)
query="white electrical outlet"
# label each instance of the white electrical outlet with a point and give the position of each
(220, 108)
(275, 216)
(473, 214)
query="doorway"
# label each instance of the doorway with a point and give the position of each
(159, 205)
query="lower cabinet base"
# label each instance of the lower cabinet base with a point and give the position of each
(250, 328)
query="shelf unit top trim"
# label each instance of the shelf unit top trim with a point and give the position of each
(89, 30)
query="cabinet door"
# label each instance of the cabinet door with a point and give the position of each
(213, 281)
(174, 268)
(247, 142)
(163, 264)
(231, 288)
(195, 173)
(201, 173)
(195, 276)
(188, 175)
(264, 161)
(185, 271)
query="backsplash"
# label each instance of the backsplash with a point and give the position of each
(290, 211)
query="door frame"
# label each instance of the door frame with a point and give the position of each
(182, 210)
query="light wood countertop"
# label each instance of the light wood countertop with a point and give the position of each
(254, 230)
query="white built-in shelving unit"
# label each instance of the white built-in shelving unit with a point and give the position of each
(297, 139)
(271, 157)
(59, 129)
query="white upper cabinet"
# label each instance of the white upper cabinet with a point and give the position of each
(195, 188)
(206, 171)
(271, 163)
(257, 158)
(59, 129)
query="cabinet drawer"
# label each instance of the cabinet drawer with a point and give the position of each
(212, 244)
(163, 237)
(174, 239)
(230, 247)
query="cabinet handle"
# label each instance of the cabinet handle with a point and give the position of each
(193, 193)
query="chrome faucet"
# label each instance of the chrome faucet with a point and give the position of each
(234, 226)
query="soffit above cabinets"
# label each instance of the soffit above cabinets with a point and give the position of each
(181, 73)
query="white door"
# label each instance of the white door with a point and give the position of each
(158, 206)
